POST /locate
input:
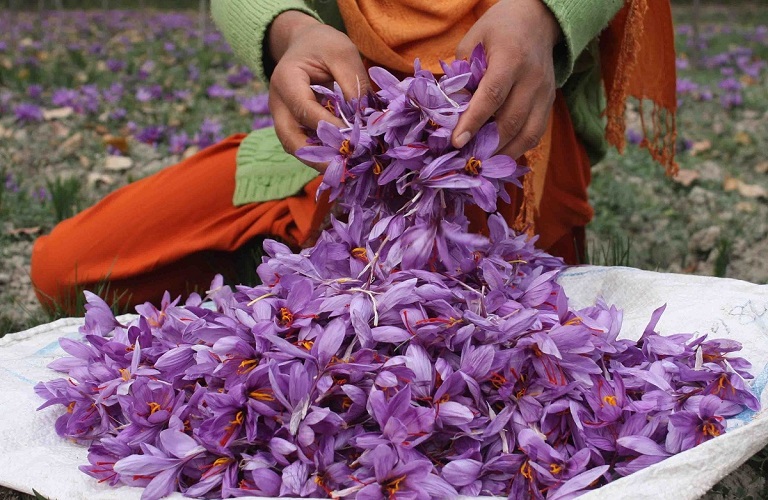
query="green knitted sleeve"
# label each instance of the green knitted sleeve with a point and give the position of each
(244, 24)
(581, 21)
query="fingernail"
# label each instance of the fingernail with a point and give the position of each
(462, 139)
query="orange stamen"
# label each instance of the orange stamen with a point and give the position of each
(153, 407)
(247, 365)
(473, 166)
(611, 400)
(360, 253)
(285, 317)
(262, 395)
(345, 148)
(526, 471)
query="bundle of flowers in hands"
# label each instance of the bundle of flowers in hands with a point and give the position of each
(401, 355)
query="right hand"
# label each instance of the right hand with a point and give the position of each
(309, 53)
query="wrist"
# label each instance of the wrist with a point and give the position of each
(284, 29)
(551, 24)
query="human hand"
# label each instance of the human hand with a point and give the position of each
(519, 84)
(308, 53)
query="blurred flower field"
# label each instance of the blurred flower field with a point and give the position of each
(91, 101)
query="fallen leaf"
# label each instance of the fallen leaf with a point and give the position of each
(762, 167)
(71, 145)
(116, 163)
(742, 138)
(731, 184)
(95, 178)
(118, 142)
(752, 191)
(744, 189)
(746, 207)
(686, 176)
(58, 113)
(25, 231)
(190, 151)
(700, 146)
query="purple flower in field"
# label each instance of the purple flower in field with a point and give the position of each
(114, 93)
(730, 85)
(35, 91)
(262, 122)
(10, 185)
(115, 65)
(64, 97)
(240, 77)
(146, 69)
(182, 94)
(193, 73)
(41, 195)
(152, 134)
(118, 114)
(686, 86)
(633, 136)
(145, 94)
(256, 104)
(217, 91)
(682, 63)
(28, 112)
(178, 143)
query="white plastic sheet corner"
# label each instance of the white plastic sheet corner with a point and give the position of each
(33, 456)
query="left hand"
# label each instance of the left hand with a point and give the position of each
(519, 84)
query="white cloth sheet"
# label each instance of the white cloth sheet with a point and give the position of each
(33, 456)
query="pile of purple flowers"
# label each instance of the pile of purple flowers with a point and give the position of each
(401, 355)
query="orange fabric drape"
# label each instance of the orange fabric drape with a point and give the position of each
(171, 231)
(637, 56)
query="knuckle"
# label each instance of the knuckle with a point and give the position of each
(530, 140)
(496, 94)
(508, 126)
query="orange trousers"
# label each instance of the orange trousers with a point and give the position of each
(178, 228)
(171, 231)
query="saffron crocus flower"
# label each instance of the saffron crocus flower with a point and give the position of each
(28, 113)
(158, 468)
(689, 428)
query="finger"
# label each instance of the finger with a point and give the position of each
(289, 131)
(293, 86)
(514, 114)
(531, 133)
(492, 93)
(351, 76)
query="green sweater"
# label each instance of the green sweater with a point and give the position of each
(265, 172)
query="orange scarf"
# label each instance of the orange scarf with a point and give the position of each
(637, 60)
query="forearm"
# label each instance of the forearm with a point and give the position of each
(580, 21)
(245, 24)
